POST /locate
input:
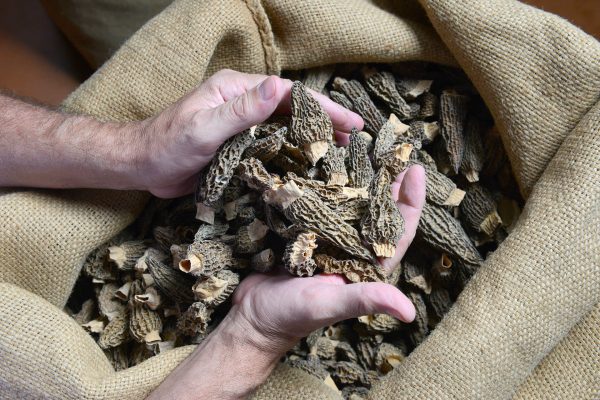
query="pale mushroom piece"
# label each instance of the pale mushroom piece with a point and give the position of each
(297, 257)
(126, 254)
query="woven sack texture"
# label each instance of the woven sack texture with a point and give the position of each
(565, 373)
(539, 76)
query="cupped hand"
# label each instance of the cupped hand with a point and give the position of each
(183, 139)
(279, 309)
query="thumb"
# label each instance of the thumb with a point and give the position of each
(357, 299)
(246, 110)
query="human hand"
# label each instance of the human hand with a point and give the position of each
(270, 313)
(183, 139)
(281, 309)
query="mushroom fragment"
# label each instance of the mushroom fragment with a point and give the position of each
(360, 170)
(297, 257)
(214, 290)
(212, 184)
(383, 224)
(453, 110)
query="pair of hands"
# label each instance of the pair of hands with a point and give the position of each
(184, 138)
(270, 312)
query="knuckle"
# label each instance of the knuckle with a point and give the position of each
(240, 107)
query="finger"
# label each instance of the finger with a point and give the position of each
(342, 138)
(357, 299)
(412, 189)
(226, 85)
(244, 111)
(409, 193)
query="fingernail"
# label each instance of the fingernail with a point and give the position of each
(266, 89)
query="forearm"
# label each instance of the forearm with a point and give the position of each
(226, 365)
(45, 148)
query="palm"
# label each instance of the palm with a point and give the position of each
(281, 306)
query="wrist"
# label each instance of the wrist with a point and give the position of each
(269, 342)
(242, 345)
(229, 364)
(107, 155)
(129, 154)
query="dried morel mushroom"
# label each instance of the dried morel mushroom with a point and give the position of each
(207, 257)
(311, 127)
(478, 210)
(360, 170)
(195, 320)
(212, 184)
(307, 210)
(383, 86)
(354, 270)
(266, 149)
(443, 232)
(383, 224)
(362, 103)
(441, 190)
(473, 156)
(297, 257)
(334, 167)
(453, 108)
(214, 290)
(126, 254)
(145, 325)
(116, 331)
(172, 283)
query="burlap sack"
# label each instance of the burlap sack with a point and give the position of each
(539, 76)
